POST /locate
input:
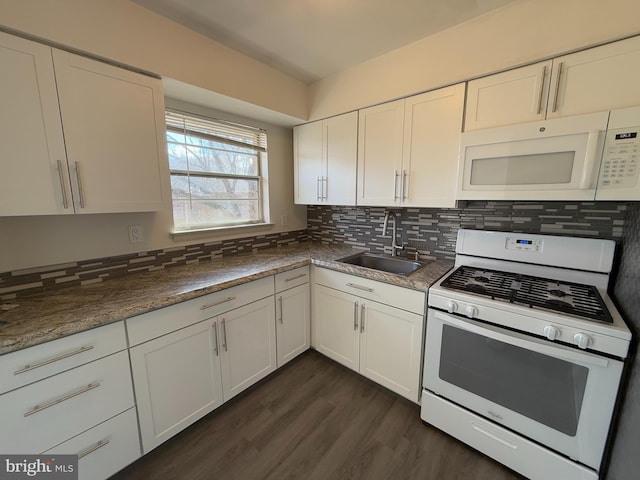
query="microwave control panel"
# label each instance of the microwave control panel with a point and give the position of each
(621, 159)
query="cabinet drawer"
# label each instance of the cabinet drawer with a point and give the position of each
(35, 363)
(292, 278)
(106, 448)
(404, 298)
(169, 319)
(37, 417)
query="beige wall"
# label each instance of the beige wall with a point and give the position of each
(519, 33)
(122, 31)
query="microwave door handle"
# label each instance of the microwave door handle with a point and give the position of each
(537, 346)
(588, 172)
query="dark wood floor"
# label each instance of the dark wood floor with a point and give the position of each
(314, 419)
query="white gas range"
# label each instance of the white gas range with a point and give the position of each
(524, 351)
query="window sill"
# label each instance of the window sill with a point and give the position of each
(196, 234)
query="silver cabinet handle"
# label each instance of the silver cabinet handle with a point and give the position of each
(291, 279)
(362, 309)
(319, 188)
(50, 403)
(395, 185)
(93, 448)
(355, 316)
(209, 305)
(80, 189)
(404, 185)
(555, 99)
(42, 363)
(544, 75)
(65, 201)
(224, 334)
(359, 287)
(216, 346)
(280, 302)
(325, 188)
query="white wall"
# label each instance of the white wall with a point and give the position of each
(519, 33)
(27, 242)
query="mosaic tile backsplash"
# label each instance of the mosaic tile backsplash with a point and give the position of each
(37, 280)
(432, 232)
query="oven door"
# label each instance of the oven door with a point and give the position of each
(550, 393)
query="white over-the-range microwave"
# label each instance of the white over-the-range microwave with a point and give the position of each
(586, 157)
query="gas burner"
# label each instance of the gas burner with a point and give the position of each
(482, 278)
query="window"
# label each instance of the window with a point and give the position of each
(215, 169)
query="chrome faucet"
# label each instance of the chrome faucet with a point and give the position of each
(394, 232)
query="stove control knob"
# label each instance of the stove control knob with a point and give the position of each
(582, 340)
(551, 332)
(470, 311)
(452, 306)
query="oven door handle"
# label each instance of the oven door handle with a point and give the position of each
(520, 340)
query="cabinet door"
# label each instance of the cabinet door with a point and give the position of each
(248, 340)
(113, 121)
(177, 381)
(292, 323)
(595, 80)
(380, 131)
(336, 324)
(35, 178)
(432, 127)
(515, 96)
(341, 146)
(390, 348)
(308, 163)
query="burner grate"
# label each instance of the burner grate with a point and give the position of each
(579, 300)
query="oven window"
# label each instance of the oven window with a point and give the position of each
(542, 388)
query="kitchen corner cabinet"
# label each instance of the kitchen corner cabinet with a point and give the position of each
(325, 161)
(189, 358)
(83, 136)
(408, 150)
(593, 80)
(370, 327)
(293, 316)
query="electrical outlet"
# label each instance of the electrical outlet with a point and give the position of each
(135, 234)
(284, 220)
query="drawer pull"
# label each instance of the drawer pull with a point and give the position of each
(43, 406)
(42, 363)
(209, 305)
(93, 448)
(281, 313)
(359, 287)
(295, 278)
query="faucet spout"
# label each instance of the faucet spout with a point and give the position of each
(385, 225)
(394, 231)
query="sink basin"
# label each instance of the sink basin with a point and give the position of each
(399, 266)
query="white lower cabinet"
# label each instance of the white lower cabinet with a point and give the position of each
(293, 317)
(181, 376)
(381, 341)
(106, 448)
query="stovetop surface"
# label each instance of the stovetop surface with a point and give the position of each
(583, 301)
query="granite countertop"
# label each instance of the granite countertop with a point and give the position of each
(48, 316)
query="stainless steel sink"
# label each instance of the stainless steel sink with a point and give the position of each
(399, 266)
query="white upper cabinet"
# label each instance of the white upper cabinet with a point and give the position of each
(325, 161)
(113, 122)
(594, 80)
(380, 133)
(408, 150)
(510, 97)
(34, 179)
(432, 126)
(82, 136)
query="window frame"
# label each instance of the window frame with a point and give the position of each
(260, 152)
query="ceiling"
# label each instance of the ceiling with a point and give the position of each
(312, 39)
